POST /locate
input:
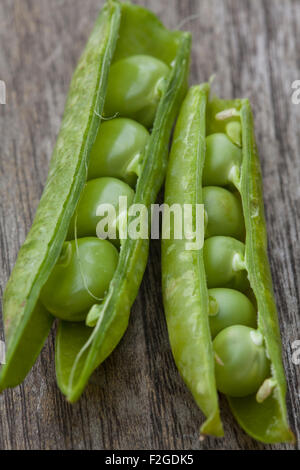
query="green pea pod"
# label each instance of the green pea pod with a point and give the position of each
(185, 291)
(183, 274)
(120, 31)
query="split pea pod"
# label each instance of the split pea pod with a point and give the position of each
(219, 302)
(123, 99)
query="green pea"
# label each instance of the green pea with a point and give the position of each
(118, 150)
(135, 86)
(224, 263)
(222, 160)
(234, 132)
(229, 307)
(96, 192)
(241, 364)
(224, 213)
(79, 279)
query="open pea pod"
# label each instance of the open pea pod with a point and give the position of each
(214, 150)
(121, 31)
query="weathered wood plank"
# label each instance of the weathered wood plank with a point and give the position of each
(137, 400)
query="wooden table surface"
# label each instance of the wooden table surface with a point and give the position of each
(136, 399)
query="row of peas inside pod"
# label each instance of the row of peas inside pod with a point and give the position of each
(87, 263)
(241, 362)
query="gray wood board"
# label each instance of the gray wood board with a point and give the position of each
(136, 399)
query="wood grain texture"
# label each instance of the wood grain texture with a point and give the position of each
(136, 399)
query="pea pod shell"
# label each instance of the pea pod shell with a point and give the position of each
(266, 421)
(185, 293)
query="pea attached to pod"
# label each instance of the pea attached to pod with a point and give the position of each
(229, 307)
(224, 263)
(224, 213)
(118, 150)
(222, 161)
(241, 363)
(96, 193)
(76, 282)
(135, 86)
